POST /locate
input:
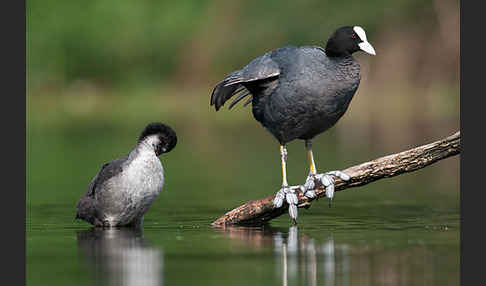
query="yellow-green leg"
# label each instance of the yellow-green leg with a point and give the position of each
(286, 193)
(326, 179)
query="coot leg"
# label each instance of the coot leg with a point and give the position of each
(326, 179)
(310, 182)
(287, 192)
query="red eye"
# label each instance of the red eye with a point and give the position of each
(353, 35)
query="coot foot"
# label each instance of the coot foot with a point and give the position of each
(326, 179)
(288, 194)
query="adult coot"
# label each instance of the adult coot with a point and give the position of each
(298, 93)
(125, 188)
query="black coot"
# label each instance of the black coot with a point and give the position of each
(298, 93)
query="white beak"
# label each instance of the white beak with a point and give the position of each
(367, 47)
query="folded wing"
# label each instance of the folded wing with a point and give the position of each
(246, 81)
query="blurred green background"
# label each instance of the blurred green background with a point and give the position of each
(99, 71)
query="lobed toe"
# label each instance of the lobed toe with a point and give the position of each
(311, 194)
(293, 212)
(292, 199)
(330, 191)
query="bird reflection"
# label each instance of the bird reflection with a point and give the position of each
(299, 258)
(119, 256)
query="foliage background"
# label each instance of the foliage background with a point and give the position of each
(100, 70)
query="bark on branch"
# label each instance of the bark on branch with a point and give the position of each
(258, 212)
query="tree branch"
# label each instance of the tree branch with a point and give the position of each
(258, 212)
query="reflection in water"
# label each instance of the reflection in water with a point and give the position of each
(299, 258)
(302, 260)
(121, 257)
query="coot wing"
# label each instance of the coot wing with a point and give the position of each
(259, 69)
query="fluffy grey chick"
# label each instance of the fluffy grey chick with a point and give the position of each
(125, 188)
(298, 93)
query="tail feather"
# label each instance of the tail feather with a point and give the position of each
(86, 209)
(226, 89)
(258, 73)
(232, 80)
(239, 89)
(240, 97)
(248, 101)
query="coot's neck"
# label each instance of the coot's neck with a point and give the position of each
(345, 66)
(344, 60)
(147, 144)
(143, 148)
(330, 52)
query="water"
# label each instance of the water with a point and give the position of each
(406, 246)
(399, 231)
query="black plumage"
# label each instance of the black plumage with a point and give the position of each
(298, 92)
(166, 135)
